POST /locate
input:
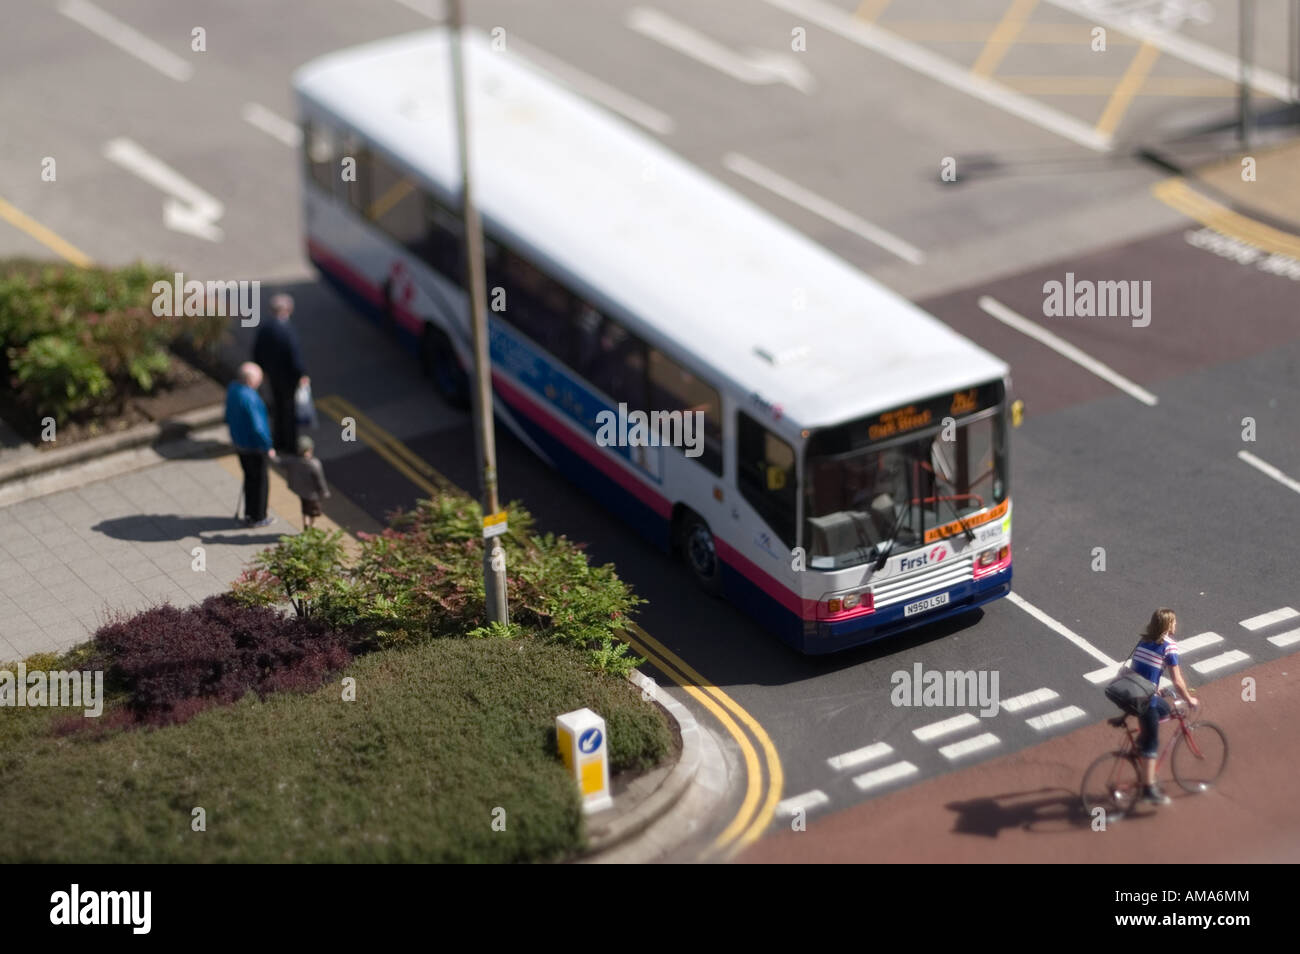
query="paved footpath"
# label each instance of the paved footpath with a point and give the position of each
(69, 558)
(1025, 807)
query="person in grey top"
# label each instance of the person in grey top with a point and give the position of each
(307, 479)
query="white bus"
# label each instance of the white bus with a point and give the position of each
(853, 480)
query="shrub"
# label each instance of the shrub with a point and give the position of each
(172, 662)
(299, 568)
(59, 376)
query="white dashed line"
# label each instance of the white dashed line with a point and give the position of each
(936, 729)
(883, 776)
(967, 746)
(1037, 697)
(1066, 350)
(129, 39)
(802, 802)
(1105, 674)
(1059, 717)
(1219, 662)
(859, 756)
(1264, 467)
(821, 207)
(1285, 639)
(1268, 619)
(257, 115)
(1198, 642)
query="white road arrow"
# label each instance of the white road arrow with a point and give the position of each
(756, 67)
(188, 208)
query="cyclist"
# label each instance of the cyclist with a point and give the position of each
(1153, 653)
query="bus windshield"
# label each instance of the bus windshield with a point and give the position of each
(858, 501)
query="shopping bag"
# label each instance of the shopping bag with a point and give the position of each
(304, 408)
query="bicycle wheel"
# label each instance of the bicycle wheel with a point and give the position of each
(1113, 783)
(1198, 761)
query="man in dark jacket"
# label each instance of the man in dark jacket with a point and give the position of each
(277, 350)
(251, 435)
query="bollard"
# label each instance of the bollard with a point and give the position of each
(585, 750)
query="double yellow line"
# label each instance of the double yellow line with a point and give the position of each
(1177, 194)
(763, 776)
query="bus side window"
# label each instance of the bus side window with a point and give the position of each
(444, 249)
(318, 150)
(765, 473)
(615, 362)
(396, 205)
(358, 190)
(674, 388)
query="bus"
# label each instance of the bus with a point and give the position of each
(850, 476)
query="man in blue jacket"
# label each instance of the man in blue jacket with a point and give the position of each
(277, 351)
(250, 432)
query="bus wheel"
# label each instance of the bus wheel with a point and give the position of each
(439, 362)
(695, 542)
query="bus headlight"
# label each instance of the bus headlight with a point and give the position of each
(858, 604)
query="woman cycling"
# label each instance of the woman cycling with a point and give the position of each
(1153, 653)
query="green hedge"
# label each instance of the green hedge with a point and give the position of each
(440, 735)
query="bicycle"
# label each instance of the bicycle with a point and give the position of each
(1198, 753)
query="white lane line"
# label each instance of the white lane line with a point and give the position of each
(757, 68)
(1062, 347)
(1218, 662)
(967, 746)
(936, 729)
(276, 126)
(819, 206)
(1285, 639)
(1198, 642)
(110, 28)
(1177, 45)
(1025, 700)
(918, 58)
(802, 802)
(1268, 619)
(600, 92)
(1017, 600)
(859, 756)
(1105, 674)
(1266, 468)
(188, 208)
(883, 776)
(429, 8)
(1058, 717)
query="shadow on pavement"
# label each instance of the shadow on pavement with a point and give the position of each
(1044, 811)
(152, 528)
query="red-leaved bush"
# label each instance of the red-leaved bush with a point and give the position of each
(175, 662)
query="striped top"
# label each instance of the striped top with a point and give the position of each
(1150, 659)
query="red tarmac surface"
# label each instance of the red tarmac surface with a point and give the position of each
(1025, 807)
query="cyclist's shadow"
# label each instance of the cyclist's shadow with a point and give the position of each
(1044, 811)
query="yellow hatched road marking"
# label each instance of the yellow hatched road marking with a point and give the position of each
(1003, 37)
(752, 818)
(1127, 88)
(969, 31)
(1043, 85)
(60, 246)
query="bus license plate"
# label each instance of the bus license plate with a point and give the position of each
(929, 603)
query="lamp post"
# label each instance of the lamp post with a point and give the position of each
(494, 571)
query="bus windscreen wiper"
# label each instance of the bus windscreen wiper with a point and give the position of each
(893, 536)
(970, 534)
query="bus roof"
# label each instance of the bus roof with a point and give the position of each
(757, 305)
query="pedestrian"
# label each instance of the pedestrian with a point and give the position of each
(250, 432)
(277, 350)
(307, 480)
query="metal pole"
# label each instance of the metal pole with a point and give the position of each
(1293, 48)
(1245, 46)
(494, 578)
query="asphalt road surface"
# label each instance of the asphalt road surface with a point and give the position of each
(846, 140)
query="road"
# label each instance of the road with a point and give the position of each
(847, 139)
